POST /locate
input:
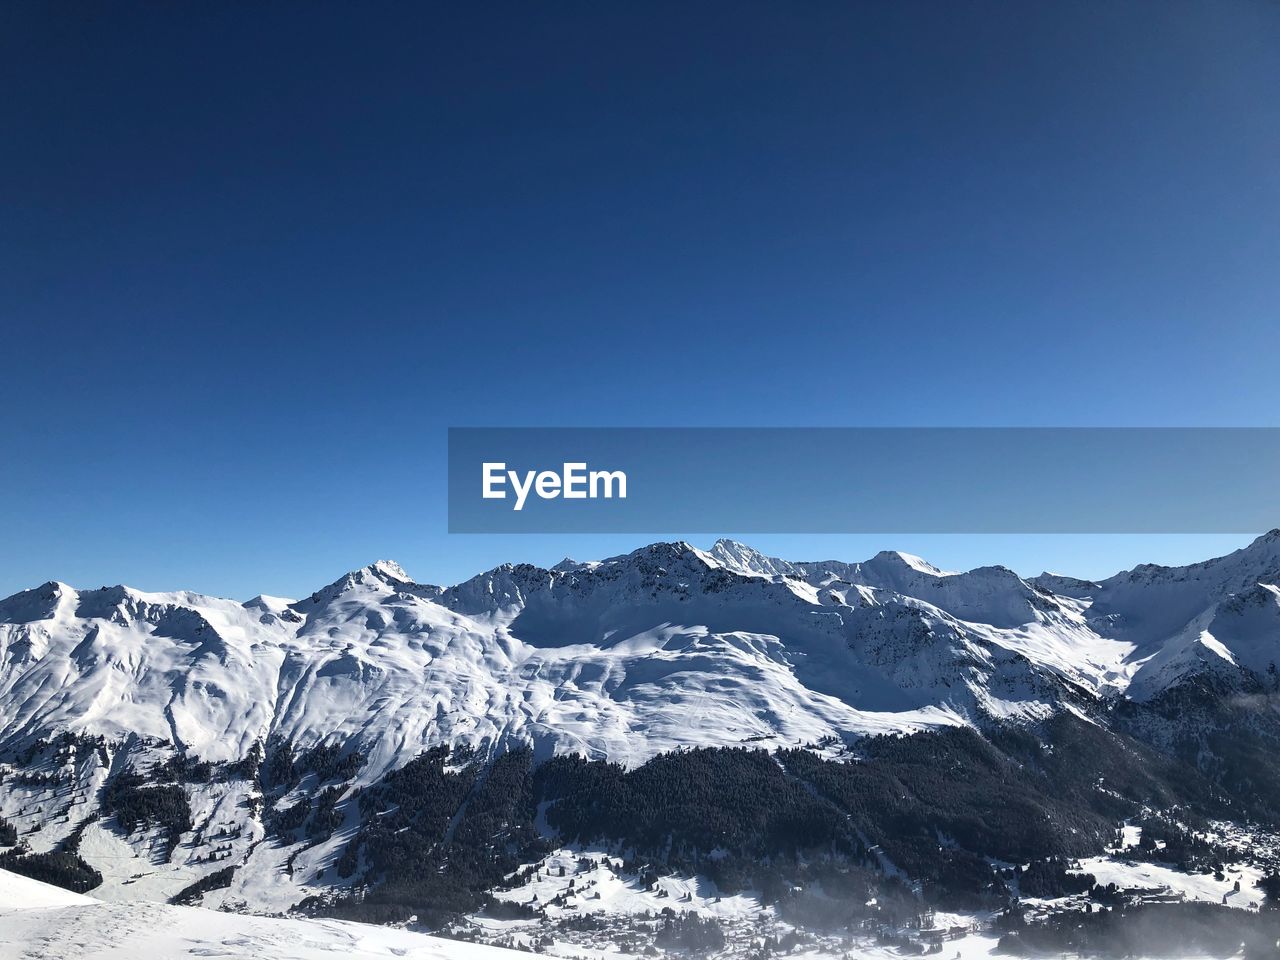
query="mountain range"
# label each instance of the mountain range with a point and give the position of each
(621, 659)
(177, 745)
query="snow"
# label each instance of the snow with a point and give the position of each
(973, 947)
(668, 646)
(745, 560)
(39, 922)
(664, 648)
(603, 887)
(178, 666)
(585, 662)
(1149, 604)
(19, 892)
(1238, 631)
(128, 871)
(1162, 878)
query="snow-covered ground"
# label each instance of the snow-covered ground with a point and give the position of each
(18, 892)
(39, 922)
(970, 948)
(575, 882)
(591, 881)
(1159, 878)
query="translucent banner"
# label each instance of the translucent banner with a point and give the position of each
(863, 480)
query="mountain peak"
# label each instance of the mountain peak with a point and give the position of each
(379, 574)
(896, 558)
(1269, 541)
(666, 551)
(741, 558)
(38, 603)
(570, 565)
(389, 570)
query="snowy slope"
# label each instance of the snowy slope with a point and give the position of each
(19, 892)
(1239, 633)
(1150, 603)
(181, 666)
(38, 921)
(1137, 633)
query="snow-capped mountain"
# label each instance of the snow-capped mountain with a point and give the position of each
(1129, 634)
(254, 755)
(663, 647)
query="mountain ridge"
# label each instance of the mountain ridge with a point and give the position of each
(780, 648)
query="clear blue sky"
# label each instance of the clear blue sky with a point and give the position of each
(255, 258)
